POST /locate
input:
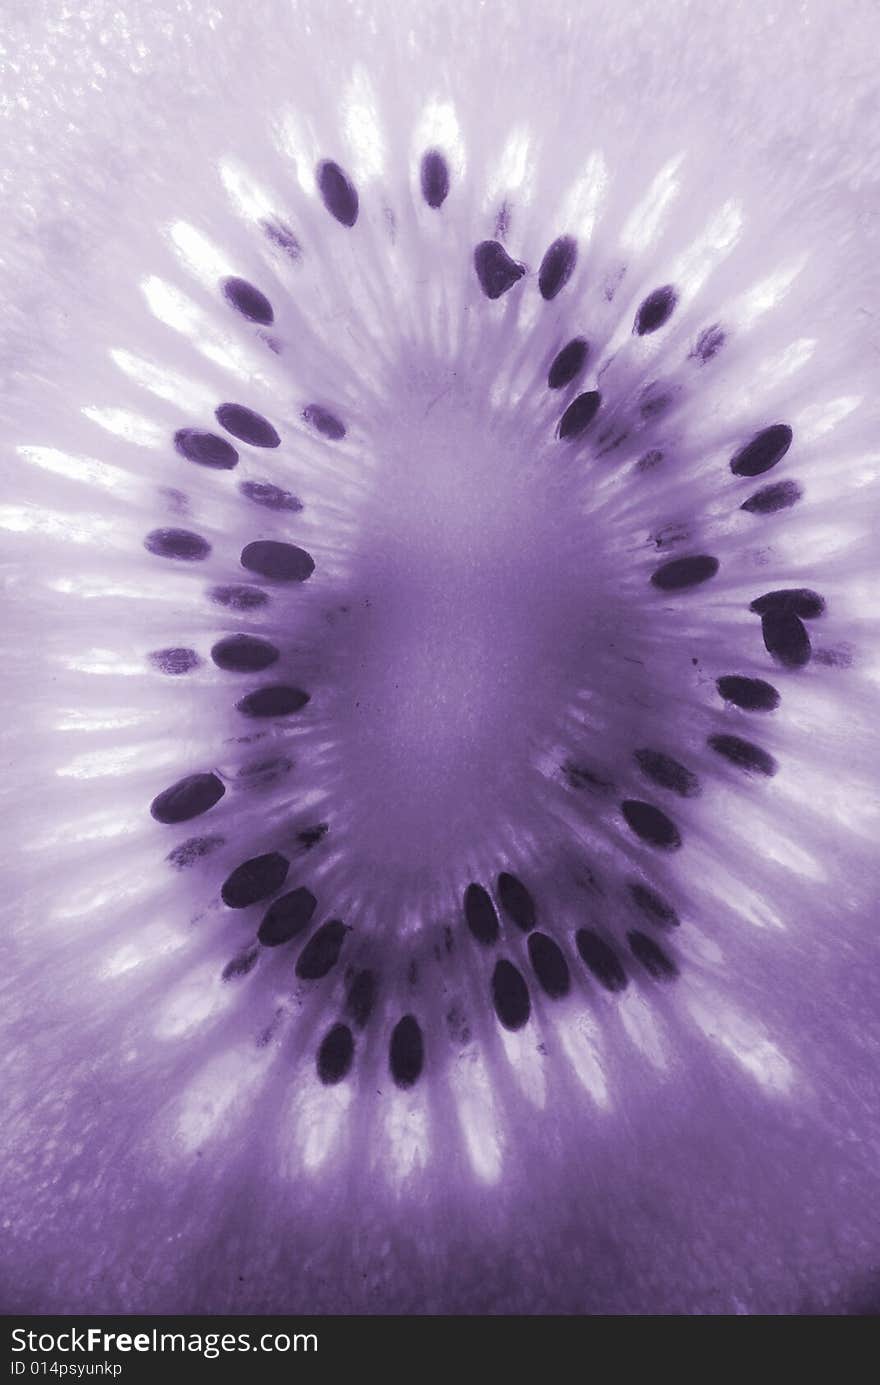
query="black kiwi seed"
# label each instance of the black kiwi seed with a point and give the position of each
(744, 754)
(681, 573)
(254, 879)
(769, 500)
(751, 694)
(335, 1055)
(406, 1052)
(763, 451)
(510, 995)
(338, 193)
(549, 965)
(601, 959)
(480, 915)
(651, 824)
(188, 798)
(205, 449)
(795, 601)
(786, 638)
(568, 363)
(434, 178)
(496, 271)
(247, 425)
(668, 772)
(281, 562)
(248, 300)
(655, 310)
(516, 901)
(321, 952)
(579, 415)
(180, 544)
(557, 267)
(287, 916)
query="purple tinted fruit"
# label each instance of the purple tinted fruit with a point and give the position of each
(546, 666)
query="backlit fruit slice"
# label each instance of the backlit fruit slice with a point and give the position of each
(440, 538)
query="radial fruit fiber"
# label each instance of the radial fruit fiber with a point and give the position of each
(440, 658)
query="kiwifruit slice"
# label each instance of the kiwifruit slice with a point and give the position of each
(441, 658)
